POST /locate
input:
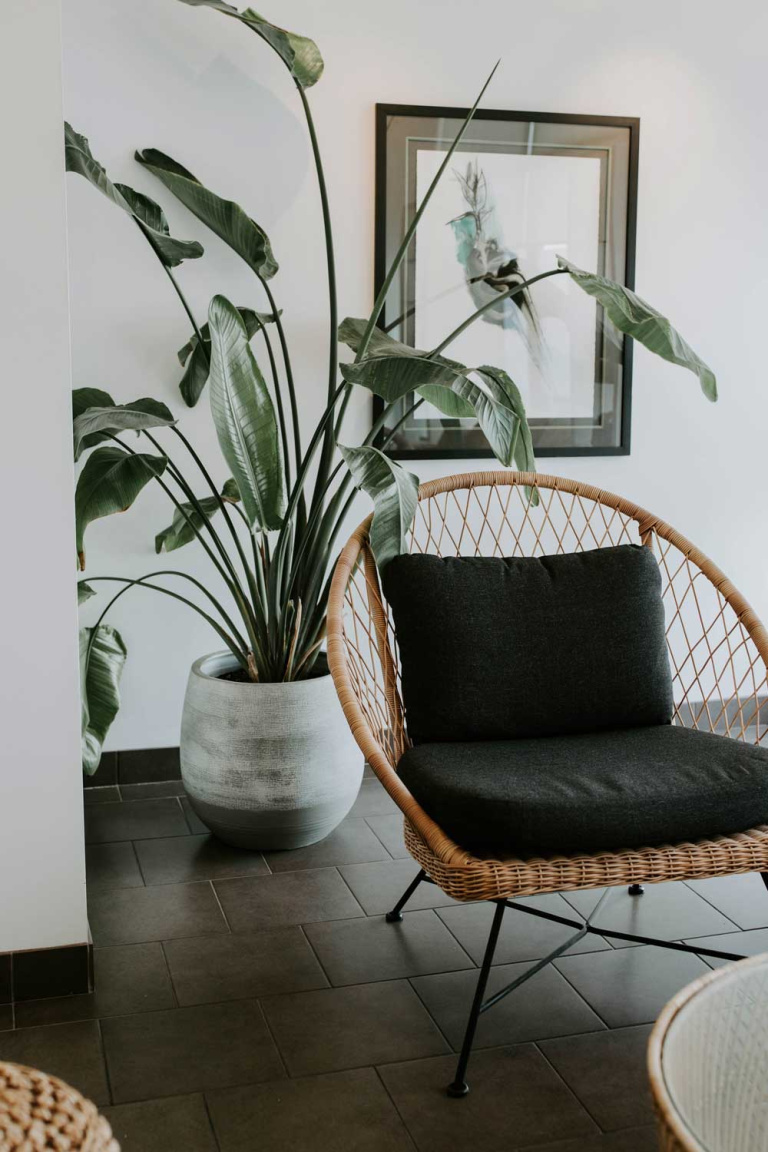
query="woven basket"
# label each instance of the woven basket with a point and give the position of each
(39, 1112)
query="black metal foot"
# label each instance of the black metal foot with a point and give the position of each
(636, 890)
(393, 917)
(457, 1089)
(396, 914)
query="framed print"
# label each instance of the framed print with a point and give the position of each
(521, 189)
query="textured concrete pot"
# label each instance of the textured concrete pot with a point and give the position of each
(266, 765)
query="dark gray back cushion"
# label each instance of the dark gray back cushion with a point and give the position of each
(498, 649)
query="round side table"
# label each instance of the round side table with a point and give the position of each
(708, 1062)
(40, 1112)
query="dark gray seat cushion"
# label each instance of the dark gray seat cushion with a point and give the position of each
(602, 791)
(495, 649)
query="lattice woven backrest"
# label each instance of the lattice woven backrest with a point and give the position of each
(717, 647)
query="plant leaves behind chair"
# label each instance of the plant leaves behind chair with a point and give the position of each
(115, 418)
(300, 55)
(227, 219)
(197, 356)
(633, 316)
(110, 482)
(147, 214)
(187, 520)
(102, 658)
(395, 494)
(244, 418)
(84, 398)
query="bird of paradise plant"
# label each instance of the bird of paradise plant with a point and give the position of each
(271, 531)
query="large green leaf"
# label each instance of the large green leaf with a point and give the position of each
(84, 592)
(394, 493)
(148, 215)
(244, 418)
(638, 319)
(110, 482)
(181, 531)
(102, 658)
(392, 377)
(84, 398)
(300, 55)
(224, 217)
(116, 418)
(197, 356)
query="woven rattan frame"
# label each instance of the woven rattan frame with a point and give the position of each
(718, 652)
(38, 1111)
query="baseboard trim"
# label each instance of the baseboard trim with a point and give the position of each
(40, 973)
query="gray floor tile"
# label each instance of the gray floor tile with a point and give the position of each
(340, 1028)
(339, 1112)
(70, 1051)
(193, 820)
(152, 791)
(131, 978)
(135, 915)
(363, 950)
(545, 1005)
(665, 911)
(144, 764)
(188, 1050)
(179, 1124)
(515, 1099)
(743, 899)
(112, 866)
(608, 1073)
(106, 794)
(389, 830)
(291, 898)
(184, 859)
(740, 943)
(379, 886)
(352, 842)
(630, 985)
(522, 937)
(630, 1140)
(6, 1017)
(210, 968)
(373, 800)
(134, 820)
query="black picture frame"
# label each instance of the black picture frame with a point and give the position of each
(383, 246)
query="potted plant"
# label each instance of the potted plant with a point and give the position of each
(267, 758)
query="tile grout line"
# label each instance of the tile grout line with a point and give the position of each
(567, 1086)
(105, 1061)
(174, 993)
(392, 1100)
(725, 914)
(221, 908)
(346, 884)
(138, 864)
(451, 1050)
(272, 1036)
(211, 1124)
(389, 854)
(572, 986)
(316, 956)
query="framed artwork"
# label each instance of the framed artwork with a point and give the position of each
(521, 189)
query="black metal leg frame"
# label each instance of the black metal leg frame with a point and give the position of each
(459, 1086)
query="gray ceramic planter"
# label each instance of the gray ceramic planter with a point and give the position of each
(266, 765)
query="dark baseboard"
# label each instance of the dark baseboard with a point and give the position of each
(44, 972)
(142, 766)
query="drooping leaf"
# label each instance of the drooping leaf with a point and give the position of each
(394, 493)
(181, 531)
(84, 592)
(101, 665)
(197, 358)
(149, 215)
(110, 482)
(224, 217)
(636, 318)
(116, 418)
(392, 377)
(244, 418)
(300, 55)
(84, 398)
(523, 452)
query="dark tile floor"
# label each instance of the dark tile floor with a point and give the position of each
(261, 1001)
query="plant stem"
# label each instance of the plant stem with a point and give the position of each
(492, 304)
(278, 400)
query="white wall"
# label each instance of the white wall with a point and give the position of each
(203, 89)
(42, 879)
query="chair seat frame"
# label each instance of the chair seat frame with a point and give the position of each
(726, 658)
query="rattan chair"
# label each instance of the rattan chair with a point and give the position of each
(39, 1112)
(718, 651)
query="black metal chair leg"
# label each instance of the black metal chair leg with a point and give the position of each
(459, 1087)
(397, 912)
(636, 890)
